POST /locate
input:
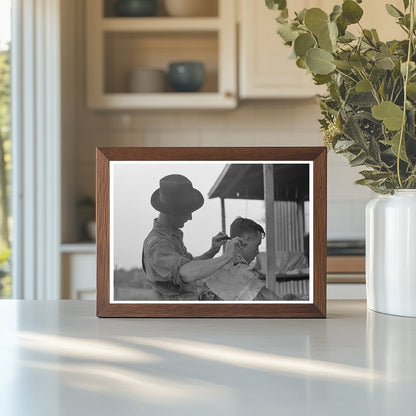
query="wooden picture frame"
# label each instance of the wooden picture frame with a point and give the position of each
(293, 177)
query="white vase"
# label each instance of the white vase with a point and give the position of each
(391, 253)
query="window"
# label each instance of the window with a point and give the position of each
(5, 147)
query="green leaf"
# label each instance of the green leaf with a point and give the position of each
(384, 62)
(281, 19)
(342, 25)
(391, 114)
(343, 145)
(301, 63)
(351, 11)
(347, 37)
(375, 35)
(336, 12)
(394, 143)
(406, 4)
(344, 65)
(393, 11)
(411, 90)
(396, 70)
(363, 86)
(362, 99)
(321, 79)
(276, 4)
(316, 20)
(333, 32)
(374, 150)
(368, 36)
(287, 33)
(358, 61)
(412, 67)
(319, 61)
(374, 174)
(303, 43)
(353, 131)
(325, 42)
(301, 15)
(358, 160)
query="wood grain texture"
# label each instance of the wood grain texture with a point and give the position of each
(346, 264)
(317, 309)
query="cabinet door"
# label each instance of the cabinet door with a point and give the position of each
(266, 71)
(78, 276)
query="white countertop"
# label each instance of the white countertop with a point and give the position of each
(57, 358)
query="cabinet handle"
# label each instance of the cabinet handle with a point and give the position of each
(229, 94)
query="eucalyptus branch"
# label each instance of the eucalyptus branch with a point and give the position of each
(398, 95)
(373, 88)
(405, 81)
(346, 75)
(392, 91)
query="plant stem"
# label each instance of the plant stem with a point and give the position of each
(346, 75)
(373, 88)
(405, 81)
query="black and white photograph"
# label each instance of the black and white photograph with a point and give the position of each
(211, 231)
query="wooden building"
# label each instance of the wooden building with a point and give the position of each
(284, 187)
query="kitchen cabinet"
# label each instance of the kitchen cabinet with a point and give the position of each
(265, 70)
(118, 45)
(78, 263)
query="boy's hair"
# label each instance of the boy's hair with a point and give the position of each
(242, 226)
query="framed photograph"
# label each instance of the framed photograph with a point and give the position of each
(211, 232)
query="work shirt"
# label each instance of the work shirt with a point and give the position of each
(163, 255)
(235, 281)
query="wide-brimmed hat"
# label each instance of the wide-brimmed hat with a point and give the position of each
(176, 196)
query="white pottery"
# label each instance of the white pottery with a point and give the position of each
(391, 253)
(147, 80)
(191, 8)
(92, 230)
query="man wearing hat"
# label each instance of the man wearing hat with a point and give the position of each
(173, 272)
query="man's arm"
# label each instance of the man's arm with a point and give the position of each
(217, 241)
(199, 269)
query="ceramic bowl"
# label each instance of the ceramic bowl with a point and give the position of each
(147, 80)
(186, 76)
(135, 8)
(191, 8)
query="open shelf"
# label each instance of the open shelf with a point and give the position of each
(118, 45)
(210, 9)
(160, 24)
(126, 51)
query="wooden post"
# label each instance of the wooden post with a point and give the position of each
(301, 220)
(268, 177)
(223, 215)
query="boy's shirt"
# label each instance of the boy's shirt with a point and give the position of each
(235, 281)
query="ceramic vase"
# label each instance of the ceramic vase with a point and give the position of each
(186, 76)
(391, 253)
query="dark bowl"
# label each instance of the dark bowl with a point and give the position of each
(135, 8)
(186, 76)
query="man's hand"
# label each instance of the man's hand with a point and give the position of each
(234, 246)
(218, 240)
